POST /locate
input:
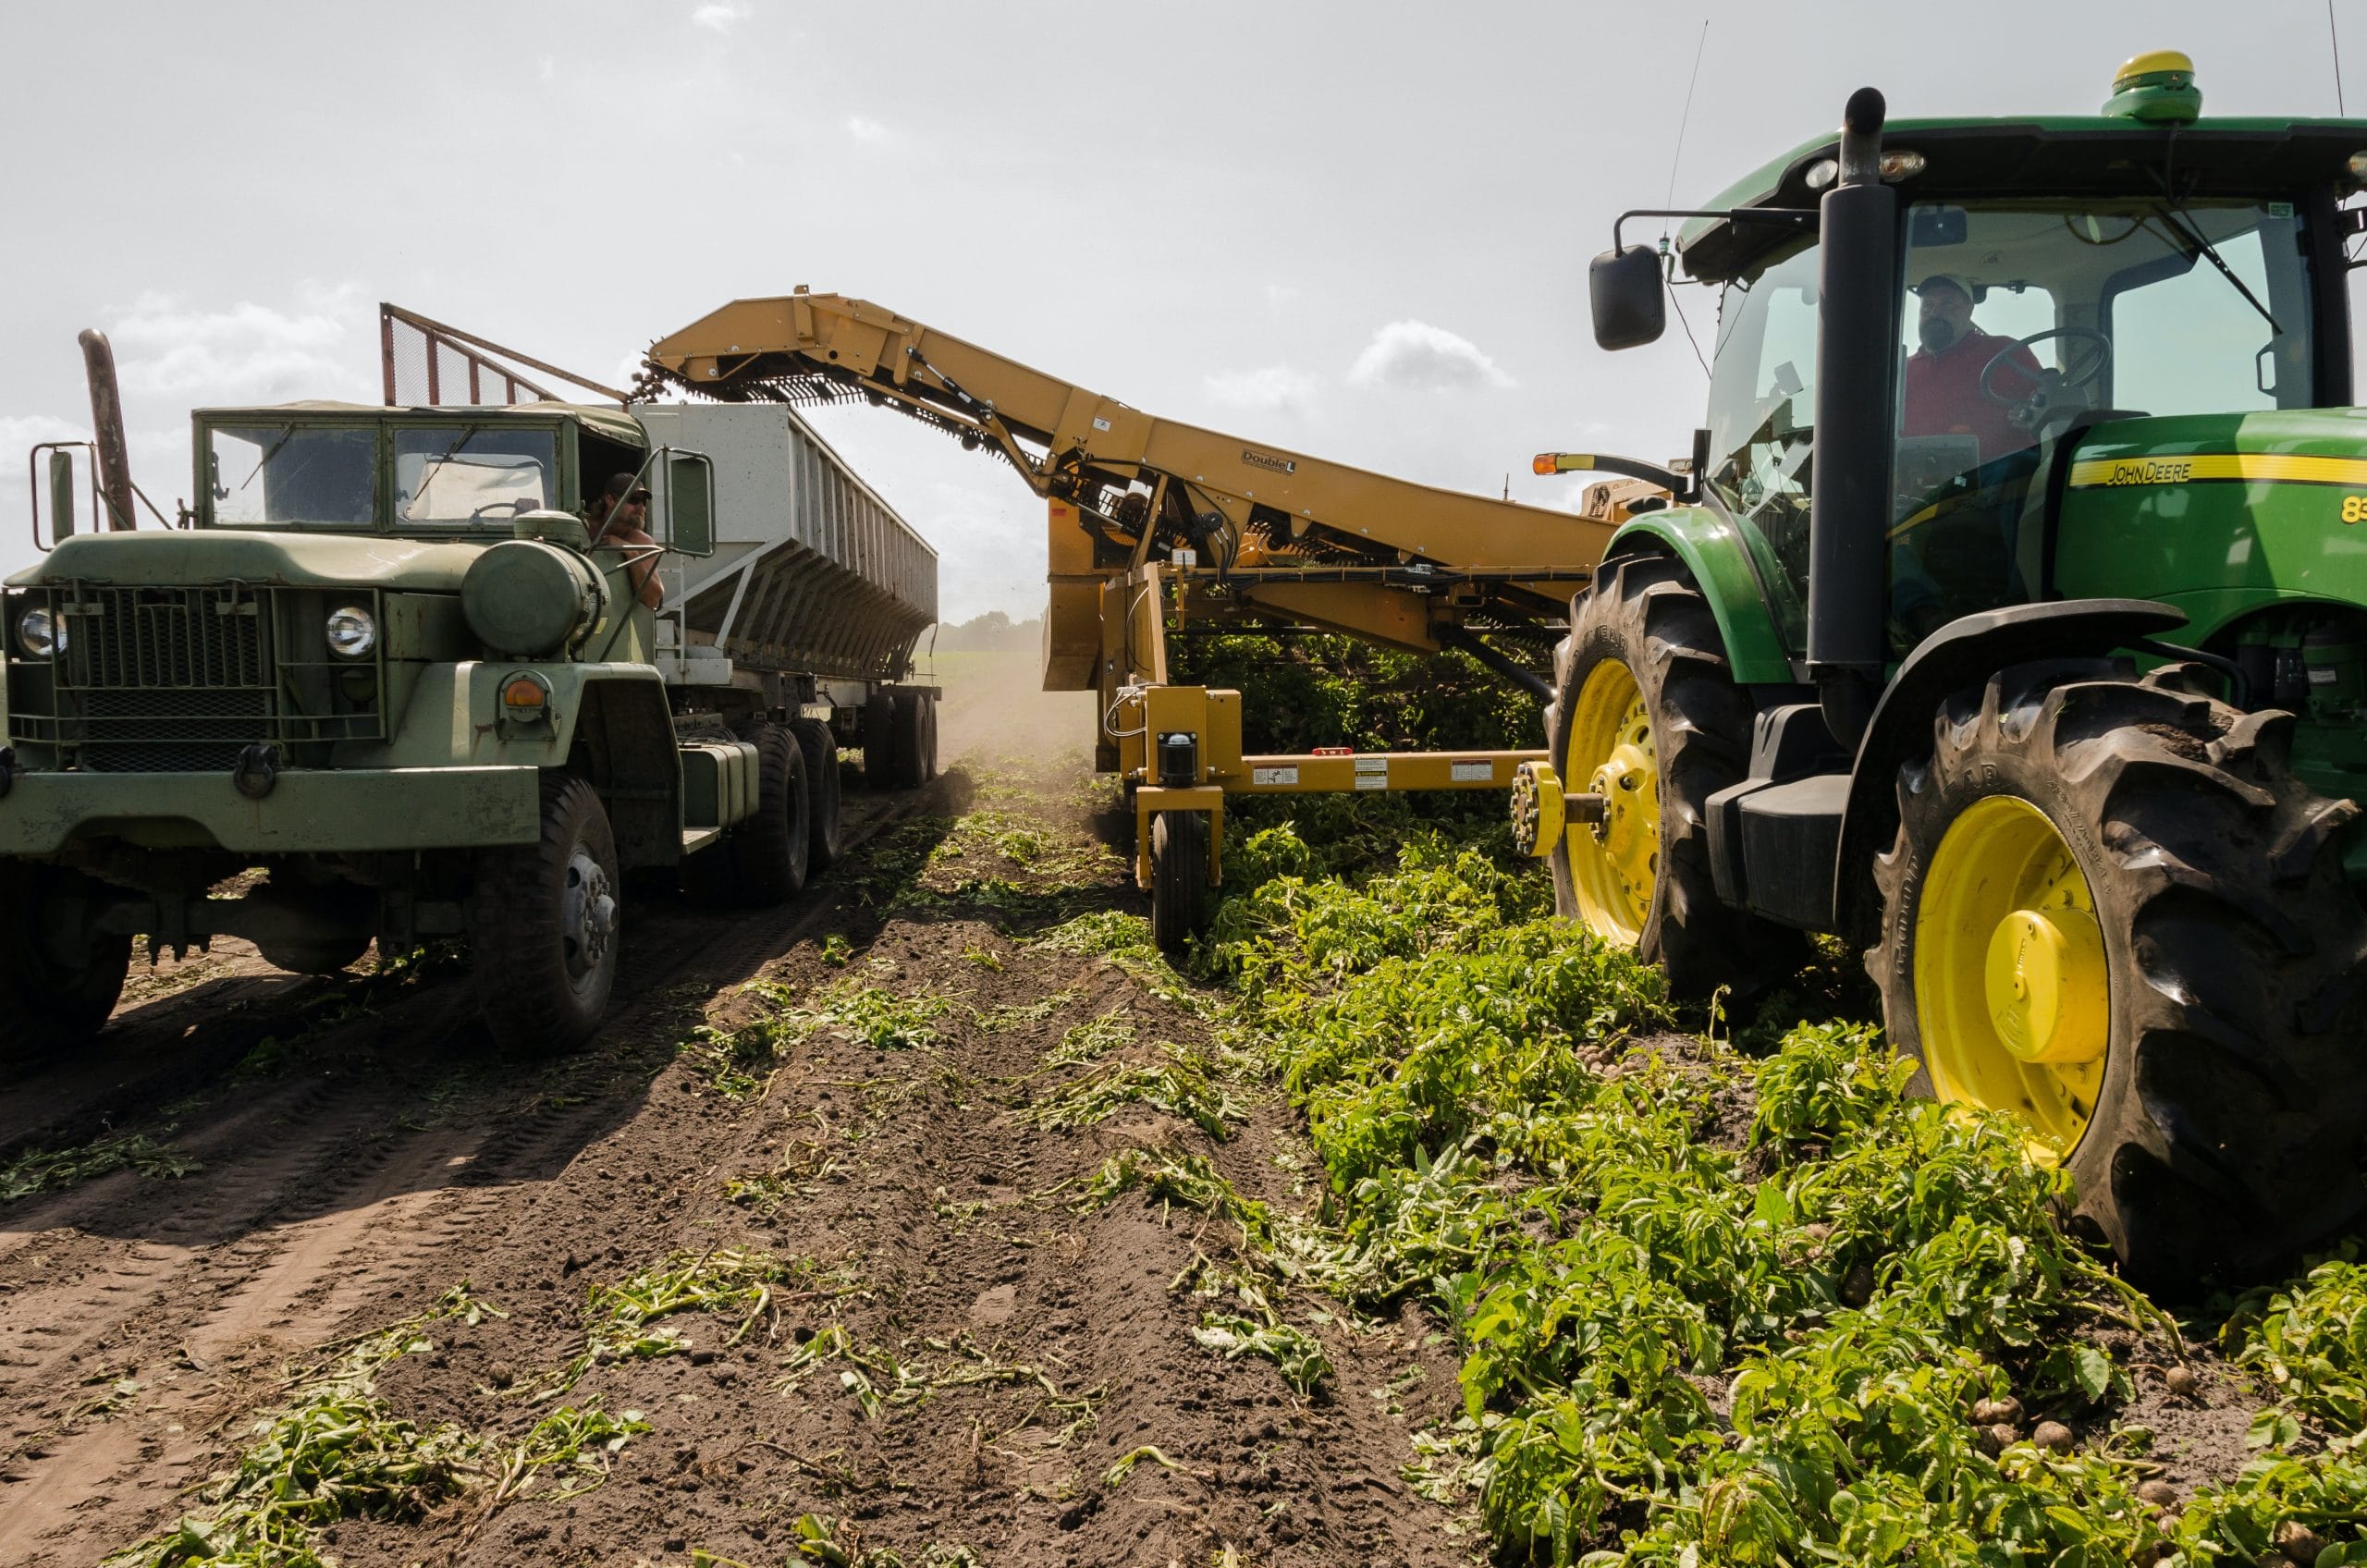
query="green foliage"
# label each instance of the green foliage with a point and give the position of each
(43, 1170)
(1180, 1087)
(2309, 1345)
(622, 1321)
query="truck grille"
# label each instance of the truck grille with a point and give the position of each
(173, 680)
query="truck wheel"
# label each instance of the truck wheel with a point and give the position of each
(1646, 712)
(2114, 912)
(879, 739)
(821, 751)
(1179, 877)
(928, 740)
(913, 751)
(544, 951)
(770, 849)
(54, 992)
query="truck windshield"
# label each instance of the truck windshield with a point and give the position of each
(465, 474)
(285, 472)
(2020, 316)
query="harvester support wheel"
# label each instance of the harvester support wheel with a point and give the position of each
(1179, 877)
(546, 926)
(769, 850)
(879, 738)
(1646, 713)
(2114, 912)
(914, 734)
(55, 991)
(821, 792)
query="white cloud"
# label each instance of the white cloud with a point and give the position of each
(165, 347)
(1280, 296)
(1265, 389)
(863, 130)
(721, 16)
(1414, 356)
(546, 68)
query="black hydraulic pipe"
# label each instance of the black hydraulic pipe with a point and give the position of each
(106, 425)
(1850, 494)
(1512, 674)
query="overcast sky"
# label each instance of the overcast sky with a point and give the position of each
(1358, 230)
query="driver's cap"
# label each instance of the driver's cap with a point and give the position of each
(1954, 280)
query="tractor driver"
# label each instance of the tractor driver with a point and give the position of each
(1944, 390)
(617, 516)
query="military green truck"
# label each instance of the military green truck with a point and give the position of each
(381, 682)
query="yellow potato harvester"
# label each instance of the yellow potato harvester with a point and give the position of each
(1154, 524)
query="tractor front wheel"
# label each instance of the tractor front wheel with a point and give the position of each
(1646, 713)
(2114, 914)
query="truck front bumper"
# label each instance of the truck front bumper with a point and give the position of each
(328, 811)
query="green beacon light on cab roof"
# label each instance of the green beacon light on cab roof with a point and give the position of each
(2155, 87)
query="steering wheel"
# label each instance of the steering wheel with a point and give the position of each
(2029, 410)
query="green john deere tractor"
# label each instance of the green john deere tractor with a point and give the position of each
(2010, 622)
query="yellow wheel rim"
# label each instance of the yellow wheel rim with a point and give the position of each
(2013, 996)
(1614, 862)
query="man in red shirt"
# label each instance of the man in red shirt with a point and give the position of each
(1944, 394)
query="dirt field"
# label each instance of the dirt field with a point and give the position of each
(905, 1318)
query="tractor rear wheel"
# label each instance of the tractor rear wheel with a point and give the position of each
(59, 980)
(1179, 877)
(2114, 912)
(545, 928)
(1646, 713)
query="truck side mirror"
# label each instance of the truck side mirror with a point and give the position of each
(61, 494)
(691, 505)
(1625, 287)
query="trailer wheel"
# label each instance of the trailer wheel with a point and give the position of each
(879, 739)
(1179, 877)
(928, 739)
(2114, 912)
(768, 850)
(913, 751)
(54, 992)
(1647, 713)
(544, 946)
(821, 751)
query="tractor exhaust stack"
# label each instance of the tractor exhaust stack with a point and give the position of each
(1850, 504)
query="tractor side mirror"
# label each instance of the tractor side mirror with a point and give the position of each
(1625, 288)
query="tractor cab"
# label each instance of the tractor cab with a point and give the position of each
(2052, 276)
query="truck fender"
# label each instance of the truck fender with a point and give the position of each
(623, 743)
(1958, 653)
(1714, 551)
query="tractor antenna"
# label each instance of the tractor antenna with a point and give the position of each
(2333, 38)
(1685, 117)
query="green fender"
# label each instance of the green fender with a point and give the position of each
(1714, 552)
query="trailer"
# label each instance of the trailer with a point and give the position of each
(406, 663)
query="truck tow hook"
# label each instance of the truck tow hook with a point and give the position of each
(258, 770)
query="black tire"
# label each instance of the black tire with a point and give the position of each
(1645, 613)
(821, 748)
(544, 950)
(880, 713)
(51, 1001)
(2226, 1130)
(913, 751)
(1179, 877)
(928, 741)
(768, 850)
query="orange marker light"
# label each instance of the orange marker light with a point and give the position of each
(523, 694)
(1543, 463)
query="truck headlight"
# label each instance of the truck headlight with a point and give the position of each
(41, 632)
(353, 632)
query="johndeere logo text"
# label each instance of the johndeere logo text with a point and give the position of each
(2151, 470)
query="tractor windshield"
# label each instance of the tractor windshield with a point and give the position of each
(2021, 317)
